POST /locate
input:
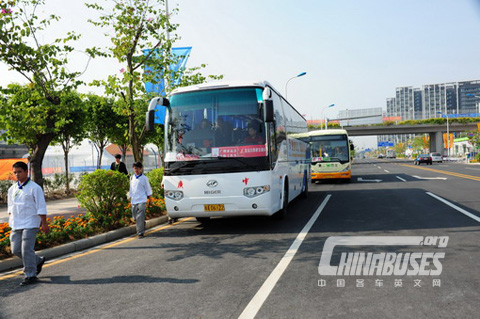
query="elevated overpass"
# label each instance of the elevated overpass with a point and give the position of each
(435, 131)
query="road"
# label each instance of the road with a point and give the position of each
(225, 268)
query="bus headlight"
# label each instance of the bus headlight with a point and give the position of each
(256, 190)
(346, 169)
(175, 195)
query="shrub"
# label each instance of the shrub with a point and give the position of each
(104, 195)
(4, 186)
(55, 183)
(4, 239)
(155, 178)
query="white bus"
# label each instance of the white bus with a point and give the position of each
(229, 150)
(331, 154)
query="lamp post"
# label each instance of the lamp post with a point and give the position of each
(296, 76)
(322, 115)
(448, 135)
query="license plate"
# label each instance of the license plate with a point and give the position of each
(214, 207)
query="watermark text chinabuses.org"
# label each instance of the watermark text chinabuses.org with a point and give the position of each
(364, 263)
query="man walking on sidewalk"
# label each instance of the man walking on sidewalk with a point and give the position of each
(140, 192)
(27, 213)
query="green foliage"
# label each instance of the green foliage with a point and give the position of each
(54, 183)
(104, 195)
(103, 124)
(192, 76)
(474, 138)
(44, 66)
(155, 177)
(137, 26)
(440, 120)
(23, 107)
(4, 186)
(139, 39)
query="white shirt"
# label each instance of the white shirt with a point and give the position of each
(139, 189)
(25, 204)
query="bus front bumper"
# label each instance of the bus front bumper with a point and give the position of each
(335, 175)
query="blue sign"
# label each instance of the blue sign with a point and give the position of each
(182, 54)
(385, 144)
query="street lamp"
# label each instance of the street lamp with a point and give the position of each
(448, 135)
(322, 115)
(296, 76)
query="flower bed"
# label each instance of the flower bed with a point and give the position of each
(65, 230)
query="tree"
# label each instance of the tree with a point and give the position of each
(30, 118)
(474, 139)
(137, 31)
(73, 131)
(43, 66)
(139, 38)
(103, 124)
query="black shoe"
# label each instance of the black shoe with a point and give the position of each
(141, 235)
(28, 281)
(40, 265)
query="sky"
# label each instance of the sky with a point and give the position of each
(355, 52)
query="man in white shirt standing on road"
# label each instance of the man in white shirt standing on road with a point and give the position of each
(140, 192)
(28, 213)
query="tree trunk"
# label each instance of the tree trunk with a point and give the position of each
(66, 145)
(134, 141)
(37, 154)
(67, 177)
(101, 146)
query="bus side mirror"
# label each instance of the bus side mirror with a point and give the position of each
(352, 147)
(154, 116)
(268, 110)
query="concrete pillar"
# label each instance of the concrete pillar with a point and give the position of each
(436, 143)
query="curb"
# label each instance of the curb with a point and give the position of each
(54, 252)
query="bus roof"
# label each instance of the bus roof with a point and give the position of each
(219, 85)
(327, 132)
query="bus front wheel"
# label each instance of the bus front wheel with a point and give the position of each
(203, 220)
(282, 213)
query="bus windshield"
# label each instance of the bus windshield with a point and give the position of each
(329, 148)
(213, 125)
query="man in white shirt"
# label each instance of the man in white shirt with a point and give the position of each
(140, 192)
(28, 213)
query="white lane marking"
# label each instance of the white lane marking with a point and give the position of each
(257, 301)
(403, 180)
(418, 177)
(379, 167)
(386, 171)
(461, 210)
(359, 179)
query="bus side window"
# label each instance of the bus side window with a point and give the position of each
(272, 143)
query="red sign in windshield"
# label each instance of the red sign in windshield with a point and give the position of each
(240, 151)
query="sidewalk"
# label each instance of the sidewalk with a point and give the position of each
(82, 244)
(60, 207)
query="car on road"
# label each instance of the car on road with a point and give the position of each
(436, 157)
(423, 158)
(381, 156)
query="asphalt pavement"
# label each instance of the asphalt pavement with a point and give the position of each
(262, 268)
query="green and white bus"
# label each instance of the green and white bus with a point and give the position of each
(331, 154)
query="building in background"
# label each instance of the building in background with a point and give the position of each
(433, 100)
(367, 116)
